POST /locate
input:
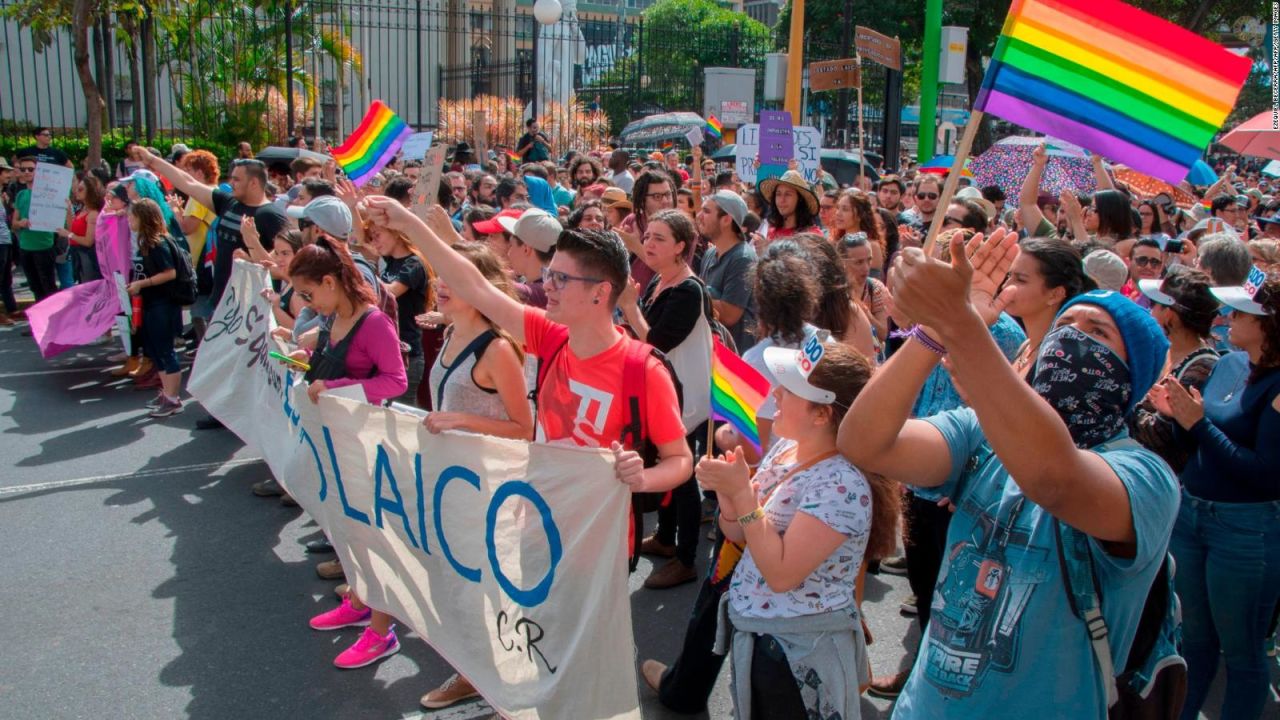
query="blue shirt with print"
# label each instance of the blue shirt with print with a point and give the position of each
(1002, 640)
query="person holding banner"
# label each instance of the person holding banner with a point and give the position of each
(581, 398)
(35, 246)
(360, 346)
(88, 193)
(797, 644)
(1003, 606)
(407, 276)
(161, 318)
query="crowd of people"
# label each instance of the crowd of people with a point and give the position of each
(1094, 373)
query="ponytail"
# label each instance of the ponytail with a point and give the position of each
(328, 257)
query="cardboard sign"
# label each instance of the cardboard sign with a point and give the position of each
(49, 193)
(508, 557)
(806, 142)
(694, 136)
(424, 193)
(416, 145)
(835, 75)
(878, 48)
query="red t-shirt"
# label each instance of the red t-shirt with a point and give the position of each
(582, 400)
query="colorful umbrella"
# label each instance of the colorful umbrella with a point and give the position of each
(941, 165)
(1145, 186)
(1007, 163)
(1256, 136)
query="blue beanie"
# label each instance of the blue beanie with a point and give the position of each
(1144, 341)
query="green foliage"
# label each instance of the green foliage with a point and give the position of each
(77, 147)
(681, 37)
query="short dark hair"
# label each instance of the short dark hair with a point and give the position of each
(254, 169)
(317, 187)
(530, 122)
(993, 193)
(892, 180)
(1222, 202)
(723, 179)
(506, 188)
(41, 130)
(301, 165)
(401, 189)
(601, 254)
(535, 170)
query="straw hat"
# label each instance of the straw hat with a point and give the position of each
(795, 180)
(616, 197)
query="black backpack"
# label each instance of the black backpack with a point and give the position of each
(182, 290)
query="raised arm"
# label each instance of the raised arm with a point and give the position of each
(1100, 173)
(1028, 208)
(463, 277)
(1026, 433)
(202, 193)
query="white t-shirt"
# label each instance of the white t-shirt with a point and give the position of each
(832, 491)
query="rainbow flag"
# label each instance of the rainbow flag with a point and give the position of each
(1114, 79)
(714, 128)
(513, 155)
(737, 392)
(373, 143)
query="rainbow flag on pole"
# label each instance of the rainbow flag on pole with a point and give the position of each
(373, 143)
(1111, 78)
(714, 128)
(737, 392)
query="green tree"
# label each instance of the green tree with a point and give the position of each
(680, 39)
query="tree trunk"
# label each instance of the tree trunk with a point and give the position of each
(108, 78)
(135, 76)
(81, 21)
(149, 71)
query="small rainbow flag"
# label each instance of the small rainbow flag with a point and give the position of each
(513, 155)
(737, 392)
(373, 143)
(1111, 78)
(714, 128)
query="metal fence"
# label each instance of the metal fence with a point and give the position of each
(227, 71)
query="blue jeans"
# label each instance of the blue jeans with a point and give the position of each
(1228, 578)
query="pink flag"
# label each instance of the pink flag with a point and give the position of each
(73, 317)
(111, 241)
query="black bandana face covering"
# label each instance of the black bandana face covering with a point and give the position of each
(1086, 382)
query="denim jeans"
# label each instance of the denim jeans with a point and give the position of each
(1228, 578)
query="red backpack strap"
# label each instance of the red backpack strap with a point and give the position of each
(633, 377)
(552, 343)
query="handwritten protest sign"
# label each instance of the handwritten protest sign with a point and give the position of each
(777, 146)
(49, 194)
(878, 48)
(509, 558)
(835, 75)
(416, 146)
(694, 136)
(428, 185)
(806, 143)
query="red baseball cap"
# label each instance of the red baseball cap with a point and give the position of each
(492, 226)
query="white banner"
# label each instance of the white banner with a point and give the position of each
(508, 557)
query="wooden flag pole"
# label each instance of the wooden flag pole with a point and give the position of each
(862, 159)
(711, 421)
(953, 179)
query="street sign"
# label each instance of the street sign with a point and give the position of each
(835, 75)
(878, 48)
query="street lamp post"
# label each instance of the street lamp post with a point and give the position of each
(547, 13)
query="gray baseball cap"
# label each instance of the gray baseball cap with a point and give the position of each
(732, 204)
(536, 228)
(327, 212)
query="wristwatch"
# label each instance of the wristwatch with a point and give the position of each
(751, 517)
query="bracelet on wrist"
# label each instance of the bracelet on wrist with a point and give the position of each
(751, 517)
(919, 335)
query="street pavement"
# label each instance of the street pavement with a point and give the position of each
(142, 579)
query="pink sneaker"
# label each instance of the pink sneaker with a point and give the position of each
(342, 616)
(369, 649)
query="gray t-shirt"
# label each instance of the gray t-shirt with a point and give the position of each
(732, 279)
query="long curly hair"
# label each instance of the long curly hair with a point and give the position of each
(1268, 297)
(861, 205)
(834, 313)
(786, 294)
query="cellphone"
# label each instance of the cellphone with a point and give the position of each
(1173, 246)
(288, 360)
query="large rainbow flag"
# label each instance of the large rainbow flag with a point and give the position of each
(373, 143)
(1119, 81)
(737, 392)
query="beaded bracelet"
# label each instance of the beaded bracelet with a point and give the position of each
(919, 335)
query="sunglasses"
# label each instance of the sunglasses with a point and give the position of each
(1148, 262)
(927, 196)
(556, 280)
(948, 220)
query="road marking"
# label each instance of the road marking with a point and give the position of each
(59, 371)
(156, 472)
(470, 711)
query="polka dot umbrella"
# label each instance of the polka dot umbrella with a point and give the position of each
(1007, 163)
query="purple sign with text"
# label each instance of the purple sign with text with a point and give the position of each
(776, 146)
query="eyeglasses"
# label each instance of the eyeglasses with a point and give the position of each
(306, 296)
(926, 196)
(1148, 262)
(27, 169)
(556, 280)
(660, 196)
(948, 220)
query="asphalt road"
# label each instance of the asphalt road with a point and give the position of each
(142, 579)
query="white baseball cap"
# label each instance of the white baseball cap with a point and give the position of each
(1241, 297)
(1151, 288)
(791, 368)
(536, 228)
